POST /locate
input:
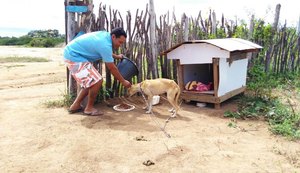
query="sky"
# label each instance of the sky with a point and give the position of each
(18, 17)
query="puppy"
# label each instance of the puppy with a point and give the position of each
(156, 87)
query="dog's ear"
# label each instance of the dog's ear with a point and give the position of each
(133, 90)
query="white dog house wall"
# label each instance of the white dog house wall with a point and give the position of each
(223, 62)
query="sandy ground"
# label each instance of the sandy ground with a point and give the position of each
(38, 139)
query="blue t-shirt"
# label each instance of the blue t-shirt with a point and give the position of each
(90, 47)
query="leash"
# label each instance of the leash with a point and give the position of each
(167, 143)
(157, 123)
(163, 129)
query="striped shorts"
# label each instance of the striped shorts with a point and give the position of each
(84, 73)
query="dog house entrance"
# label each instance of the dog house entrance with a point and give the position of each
(198, 78)
(205, 74)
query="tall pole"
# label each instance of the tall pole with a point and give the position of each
(70, 34)
(153, 41)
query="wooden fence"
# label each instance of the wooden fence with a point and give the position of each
(147, 39)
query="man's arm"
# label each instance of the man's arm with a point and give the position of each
(115, 72)
(120, 56)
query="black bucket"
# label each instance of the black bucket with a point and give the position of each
(127, 68)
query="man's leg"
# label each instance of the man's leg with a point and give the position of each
(81, 95)
(92, 94)
(89, 78)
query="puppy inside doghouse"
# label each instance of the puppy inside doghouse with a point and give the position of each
(152, 87)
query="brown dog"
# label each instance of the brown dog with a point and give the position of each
(156, 87)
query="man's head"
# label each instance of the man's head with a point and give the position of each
(118, 36)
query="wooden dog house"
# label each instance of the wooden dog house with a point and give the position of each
(223, 62)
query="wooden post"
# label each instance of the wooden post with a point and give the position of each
(216, 81)
(214, 24)
(180, 75)
(153, 42)
(70, 29)
(186, 28)
(251, 27)
(273, 31)
(86, 18)
(299, 26)
(276, 18)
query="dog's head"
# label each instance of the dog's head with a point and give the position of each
(133, 89)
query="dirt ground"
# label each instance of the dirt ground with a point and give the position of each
(34, 138)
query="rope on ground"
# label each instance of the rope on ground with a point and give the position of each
(158, 124)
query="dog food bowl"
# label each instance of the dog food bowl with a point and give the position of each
(155, 100)
(201, 105)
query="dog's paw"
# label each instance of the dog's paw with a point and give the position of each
(172, 110)
(148, 112)
(145, 107)
(173, 115)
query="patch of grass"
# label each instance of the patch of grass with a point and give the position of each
(12, 66)
(22, 59)
(251, 107)
(232, 124)
(263, 102)
(281, 118)
(54, 103)
(66, 101)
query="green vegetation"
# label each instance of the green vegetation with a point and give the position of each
(273, 77)
(66, 101)
(36, 38)
(22, 59)
(45, 42)
(12, 66)
(269, 97)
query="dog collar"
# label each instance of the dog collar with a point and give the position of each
(140, 87)
(141, 90)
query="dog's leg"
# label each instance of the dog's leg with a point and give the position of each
(145, 107)
(177, 94)
(171, 110)
(171, 98)
(149, 104)
(173, 115)
(146, 102)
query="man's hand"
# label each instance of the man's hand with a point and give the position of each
(126, 84)
(115, 72)
(120, 56)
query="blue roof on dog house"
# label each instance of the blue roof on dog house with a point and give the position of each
(222, 62)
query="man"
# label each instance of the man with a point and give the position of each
(79, 55)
